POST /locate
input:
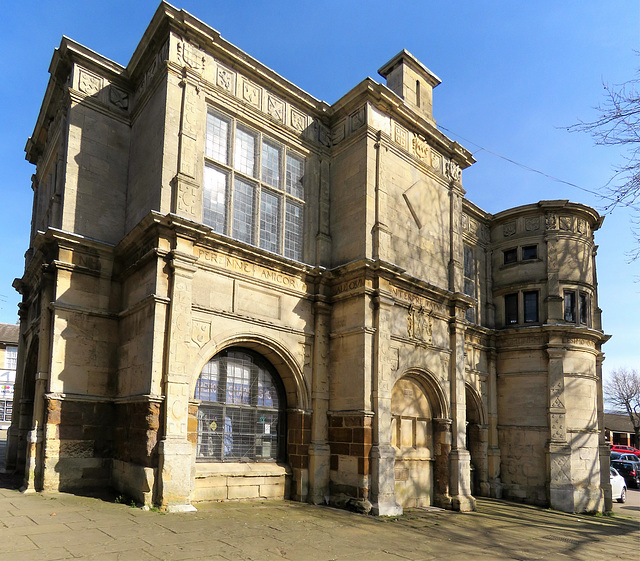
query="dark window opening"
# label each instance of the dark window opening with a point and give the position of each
(530, 307)
(584, 308)
(511, 309)
(570, 306)
(529, 252)
(510, 256)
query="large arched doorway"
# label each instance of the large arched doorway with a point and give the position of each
(241, 415)
(412, 435)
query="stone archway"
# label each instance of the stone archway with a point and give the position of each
(416, 412)
(477, 442)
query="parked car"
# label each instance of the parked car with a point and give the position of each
(618, 486)
(627, 449)
(629, 470)
(623, 457)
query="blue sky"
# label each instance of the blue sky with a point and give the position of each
(514, 75)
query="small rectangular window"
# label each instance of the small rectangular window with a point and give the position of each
(511, 309)
(530, 307)
(584, 308)
(11, 358)
(529, 252)
(570, 306)
(510, 256)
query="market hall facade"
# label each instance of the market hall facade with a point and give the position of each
(234, 290)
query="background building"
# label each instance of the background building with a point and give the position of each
(8, 359)
(234, 290)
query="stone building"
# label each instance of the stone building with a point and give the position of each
(235, 291)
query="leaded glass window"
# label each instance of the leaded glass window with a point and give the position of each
(241, 413)
(253, 187)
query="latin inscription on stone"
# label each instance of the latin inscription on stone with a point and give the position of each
(249, 269)
(348, 286)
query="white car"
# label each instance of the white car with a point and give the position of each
(618, 486)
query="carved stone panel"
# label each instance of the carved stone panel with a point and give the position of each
(88, 83)
(532, 223)
(419, 324)
(357, 119)
(509, 229)
(275, 108)
(118, 98)
(200, 332)
(251, 94)
(226, 79)
(298, 120)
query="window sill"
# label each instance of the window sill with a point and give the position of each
(257, 469)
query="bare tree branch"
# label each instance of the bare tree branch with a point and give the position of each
(618, 124)
(622, 392)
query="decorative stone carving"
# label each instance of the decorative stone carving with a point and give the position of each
(298, 120)
(551, 222)
(452, 170)
(226, 79)
(251, 94)
(324, 135)
(187, 199)
(566, 223)
(509, 229)
(557, 426)
(400, 136)
(556, 395)
(89, 83)
(357, 119)
(419, 324)
(421, 149)
(532, 223)
(436, 161)
(119, 98)
(190, 56)
(465, 223)
(200, 332)
(275, 108)
(161, 56)
(338, 133)
(581, 225)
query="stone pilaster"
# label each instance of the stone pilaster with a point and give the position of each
(559, 450)
(319, 451)
(34, 461)
(459, 458)
(381, 231)
(442, 448)
(493, 444)
(604, 451)
(175, 450)
(383, 455)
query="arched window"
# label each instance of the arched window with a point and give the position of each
(241, 414)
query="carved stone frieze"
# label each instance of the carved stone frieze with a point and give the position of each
(452, 170)
(401, 137)
(551, 221)
(251, 94)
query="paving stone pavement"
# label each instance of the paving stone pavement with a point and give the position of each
(60, 526)
(57, 526)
